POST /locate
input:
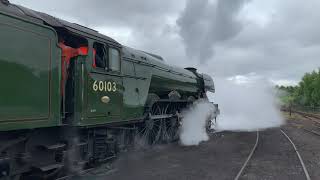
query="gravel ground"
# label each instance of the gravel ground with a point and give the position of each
(221, 157)
(308, 144)
(273, 159)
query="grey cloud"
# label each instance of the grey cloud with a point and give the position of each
(204, 24)
(97, 12)
(284, 48)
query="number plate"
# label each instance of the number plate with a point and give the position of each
(104, 86)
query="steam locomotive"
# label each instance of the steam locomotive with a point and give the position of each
(71, 98)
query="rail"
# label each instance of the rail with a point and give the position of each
(249, 157)
(298, 154)
(306, 173)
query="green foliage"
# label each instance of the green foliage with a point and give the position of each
(307, 93)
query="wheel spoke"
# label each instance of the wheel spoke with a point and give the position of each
(142, 130)
(160, 130)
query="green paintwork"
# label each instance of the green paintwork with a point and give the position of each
(138, 77)
(29, 66)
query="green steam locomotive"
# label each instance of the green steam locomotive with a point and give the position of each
(71, 98)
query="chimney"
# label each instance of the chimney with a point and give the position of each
(194, 70)
(5, 2)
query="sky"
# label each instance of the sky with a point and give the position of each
(230, 39)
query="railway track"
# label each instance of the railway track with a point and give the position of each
(253, 150)
(248, 159)
(313, 118)
(317, 133)
(76, 175)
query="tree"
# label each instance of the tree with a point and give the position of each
(307, 93)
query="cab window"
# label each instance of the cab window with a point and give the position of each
(114, 59)
(99, 55)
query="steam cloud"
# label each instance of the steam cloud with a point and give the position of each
(247, 106)
(204, 24)
(193, 130)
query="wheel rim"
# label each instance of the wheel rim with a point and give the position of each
(150, 131)
(164, 136)
(172, 124)
(162, 130)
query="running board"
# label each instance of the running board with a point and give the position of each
(162, 116)
(165, 116)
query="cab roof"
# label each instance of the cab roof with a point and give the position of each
(39, 17)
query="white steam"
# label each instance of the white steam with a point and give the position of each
(193, 129)
(246, 105)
